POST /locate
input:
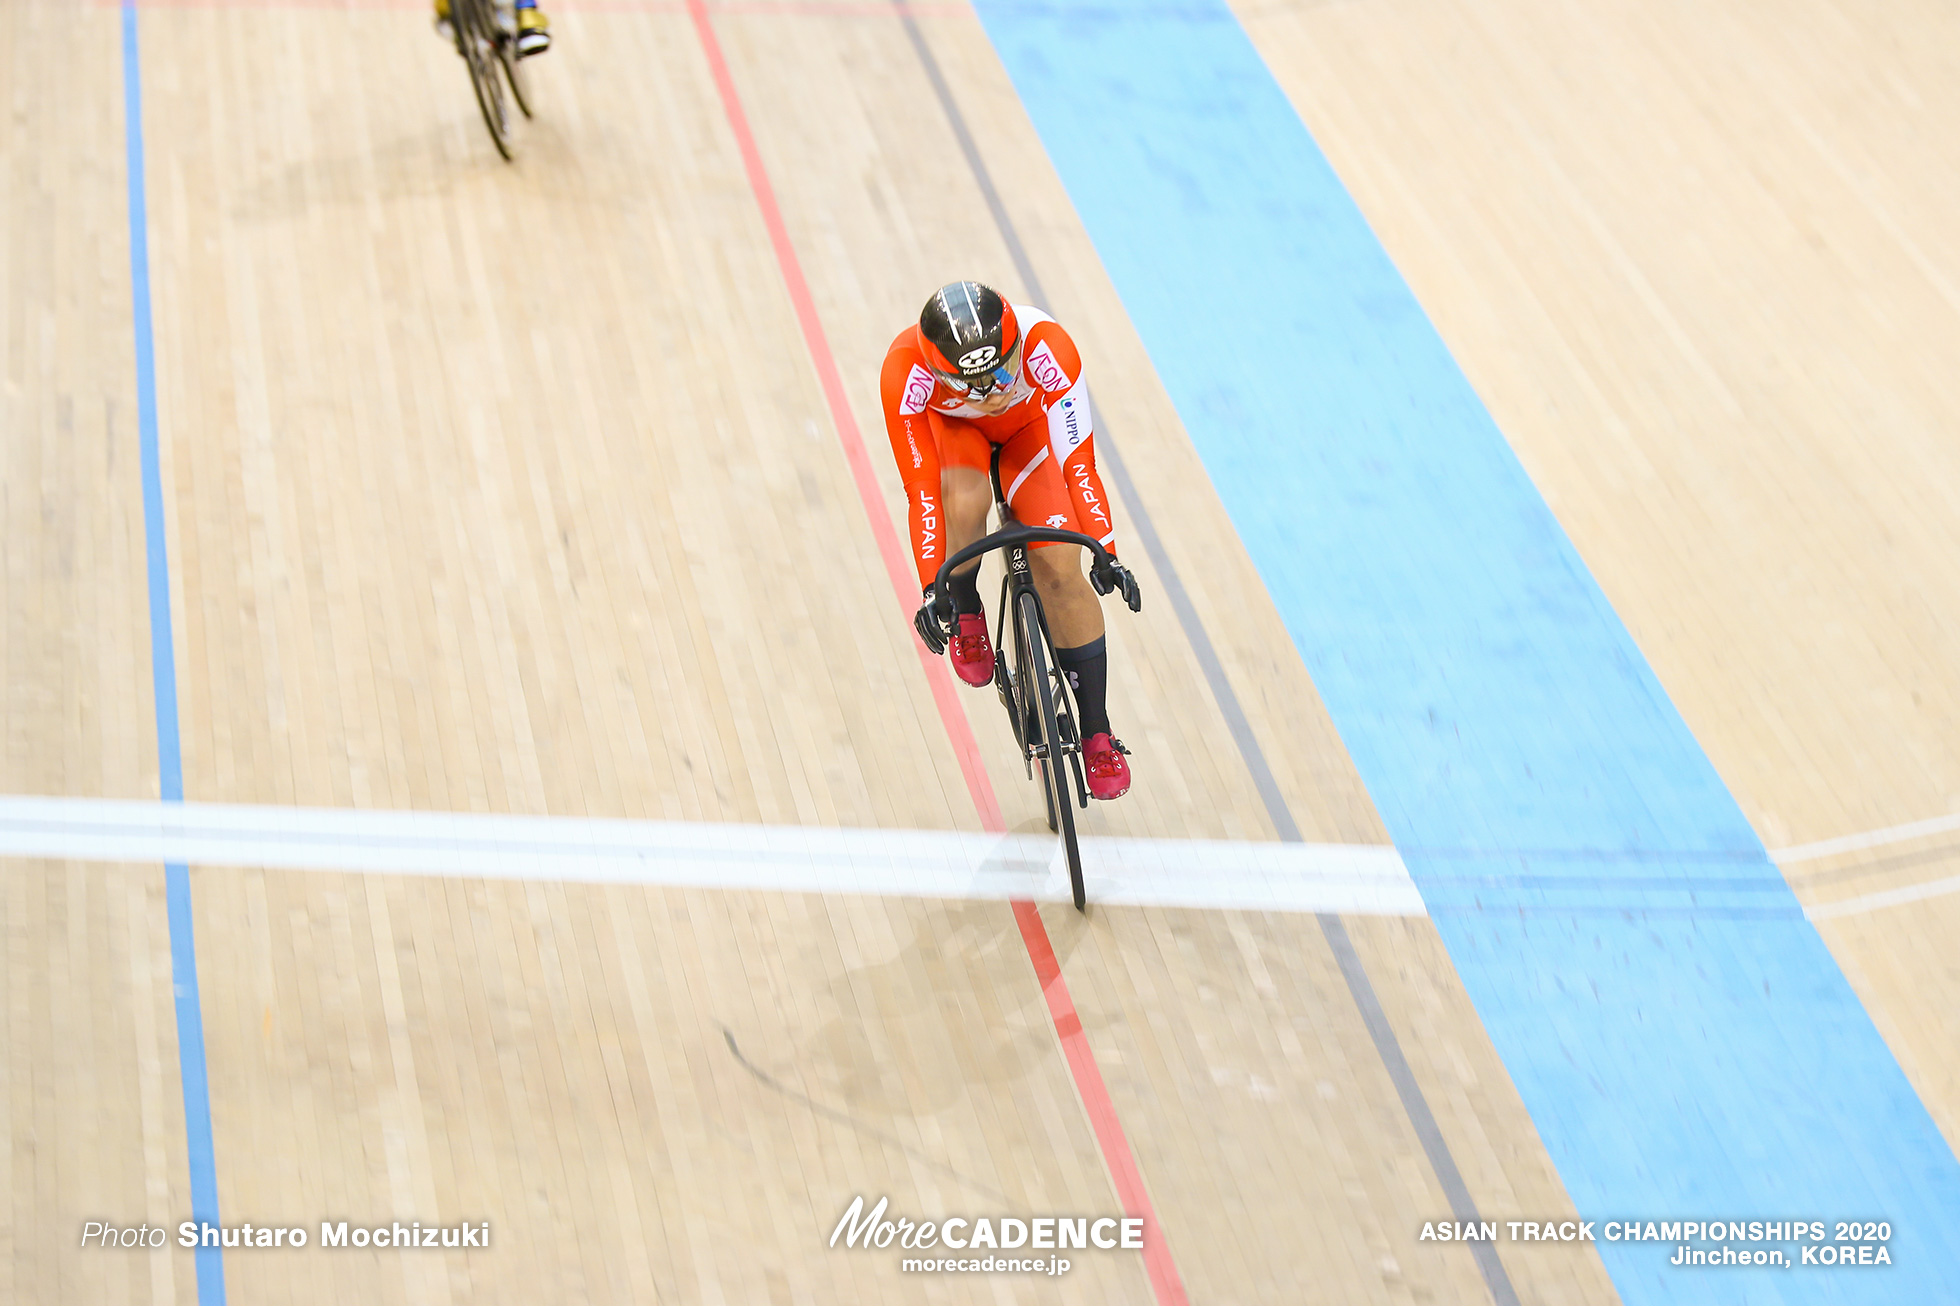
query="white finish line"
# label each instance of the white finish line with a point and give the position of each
(1364, 879)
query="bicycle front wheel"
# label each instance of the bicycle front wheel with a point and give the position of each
(1035, 665)
(520, 81)
(476, 40)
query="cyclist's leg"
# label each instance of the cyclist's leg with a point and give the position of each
(966, 493)
(533, 29)
(965, 489)
(1040, 496)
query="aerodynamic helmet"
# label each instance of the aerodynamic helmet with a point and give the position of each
(970, 337)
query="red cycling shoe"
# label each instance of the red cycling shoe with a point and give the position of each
(1105, 769)
(972, 652)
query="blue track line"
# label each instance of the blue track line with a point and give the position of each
(163, 671)
(1685, 1042)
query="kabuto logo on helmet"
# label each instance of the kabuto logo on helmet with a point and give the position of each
(979, 358)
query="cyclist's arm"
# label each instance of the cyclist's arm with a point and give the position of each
(905, 388)
(1055, 369)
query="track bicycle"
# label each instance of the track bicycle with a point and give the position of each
(1032, 687)
(486, 38)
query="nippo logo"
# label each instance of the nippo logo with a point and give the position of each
(1072, 427)
(1047, 373)
(918, 389)
(977, 358)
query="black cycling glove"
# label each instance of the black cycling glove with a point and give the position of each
(934, 620)
(1107, 574)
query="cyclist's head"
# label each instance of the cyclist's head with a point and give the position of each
(970, 337)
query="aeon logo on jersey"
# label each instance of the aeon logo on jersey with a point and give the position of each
(1047, 373)
(980, 357)
(918, 389)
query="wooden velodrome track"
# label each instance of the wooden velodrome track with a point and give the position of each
(512, 489)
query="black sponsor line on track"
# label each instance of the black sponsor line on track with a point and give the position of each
(1360, 987)
(769, 1081)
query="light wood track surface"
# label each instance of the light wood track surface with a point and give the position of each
(93, 1111)
(91, 1122)
(1227, 1091)
(74, 646)
(509, 488)
(1701, 262)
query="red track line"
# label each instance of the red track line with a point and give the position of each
(1164, 1281)
(1157, 1263)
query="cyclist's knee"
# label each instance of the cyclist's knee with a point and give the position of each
(968, 495)
(1058, 567)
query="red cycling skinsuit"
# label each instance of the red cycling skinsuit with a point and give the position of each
(1047, 445)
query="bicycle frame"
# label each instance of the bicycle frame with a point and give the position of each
(1027, 674)
(1018, 579)
(1012, 541)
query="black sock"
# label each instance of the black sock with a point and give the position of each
(1087, 669)
(966, 592)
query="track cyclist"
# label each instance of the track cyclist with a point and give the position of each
(533, 27)
(977, 372)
